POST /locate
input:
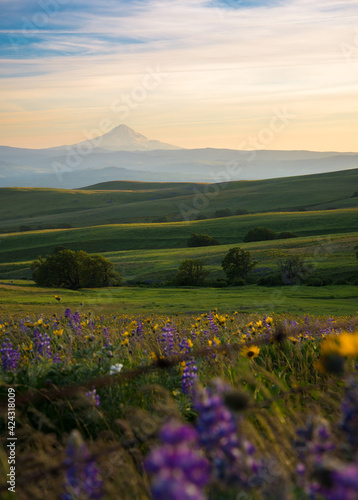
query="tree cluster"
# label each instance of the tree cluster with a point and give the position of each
(201, 240)
(264, 233)
(69, 269)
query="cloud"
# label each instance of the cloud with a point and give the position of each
(225, 60)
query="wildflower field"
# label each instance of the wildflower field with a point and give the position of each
(187, 406)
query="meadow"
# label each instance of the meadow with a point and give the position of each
(190, 406)
(150, 391)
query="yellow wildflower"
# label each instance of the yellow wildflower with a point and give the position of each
(250, 352)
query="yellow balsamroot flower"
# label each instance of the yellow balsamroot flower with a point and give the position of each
(27, 347)
(294, 340)
(217, 341)
(250, 352)
(125, 342)
(345, 344)
(268, 320)
(58, 333)
(190, 344)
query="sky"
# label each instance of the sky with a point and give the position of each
(238, 74)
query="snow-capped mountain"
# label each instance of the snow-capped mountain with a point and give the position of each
(123, 138)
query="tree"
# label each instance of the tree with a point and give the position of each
(293, 269)
(191, 273)
(201, 240)
(260, 234)
(237, 264)
(224, 212)
(74, 270)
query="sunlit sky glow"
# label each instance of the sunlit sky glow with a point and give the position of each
(225, 68)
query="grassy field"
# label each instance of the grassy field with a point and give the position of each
(138, 404)
(113, 203)
(25, 297)
(26, 246)
(332, 256)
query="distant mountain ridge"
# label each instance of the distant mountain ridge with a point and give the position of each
(124, 154)
(121, 138)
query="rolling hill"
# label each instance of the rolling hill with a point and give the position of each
(128, 202)
(231, 230)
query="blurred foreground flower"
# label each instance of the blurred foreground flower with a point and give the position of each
(82, 475)
(115, 368)
(179, 469)
(93, 397)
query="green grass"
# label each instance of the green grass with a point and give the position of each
(117, 202)
(26, 246)
(24, 298)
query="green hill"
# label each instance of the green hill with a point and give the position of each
(332, 258)
(231, 230)
(24, 209)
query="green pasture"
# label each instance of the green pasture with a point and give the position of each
(331, 256)
(118, 202)
(15, 247)
(25, 298)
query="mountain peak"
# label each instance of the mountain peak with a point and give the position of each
(124, 138)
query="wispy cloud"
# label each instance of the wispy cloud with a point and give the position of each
(228, 62)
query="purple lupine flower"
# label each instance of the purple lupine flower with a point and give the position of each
(139, 331)
(106, 336)
(76, 317)
(10, 357)
(218, 434)
(184, 346)
(313, 445)
(212, 324)
(82, 475)
(349, 420)
(179, 471)
(167, 340)
(68, 313)
(93, 397)
(56, 359)
(190, 374)
(42, 344)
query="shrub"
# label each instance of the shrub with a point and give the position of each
(241, 211)
(237, 264)
(286, 234)
(191, 273)
(315, 282)
(238, 282)
(220, 283)
(260, 234)
(74, 270)
(293, 269)
(225, 212)
(270, 280)
(201, 240)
